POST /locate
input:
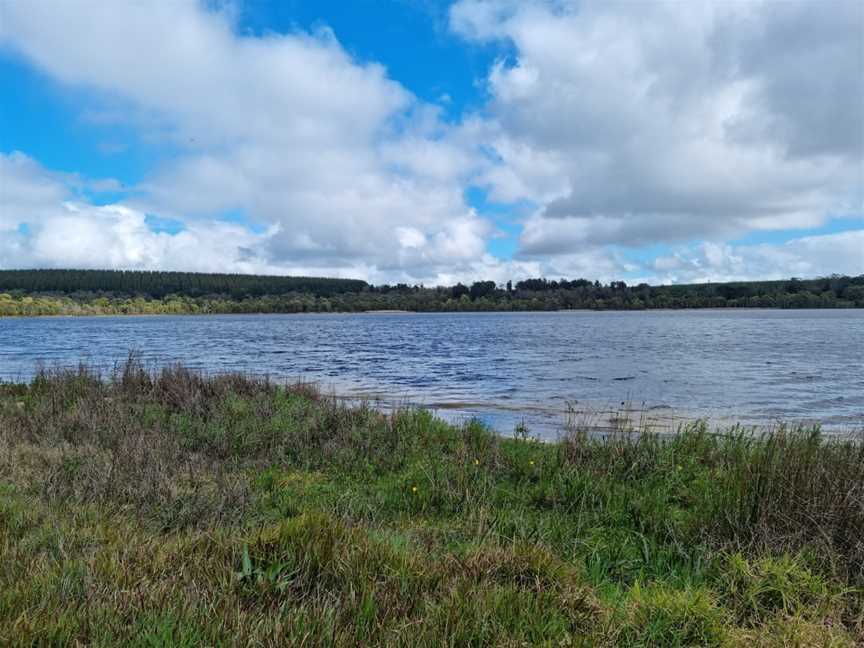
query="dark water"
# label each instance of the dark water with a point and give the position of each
(754, 366)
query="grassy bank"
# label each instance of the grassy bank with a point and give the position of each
(179, 510)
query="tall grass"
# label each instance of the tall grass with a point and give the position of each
(778, 490)
(173, 508)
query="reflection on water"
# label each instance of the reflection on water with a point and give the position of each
(754, 366)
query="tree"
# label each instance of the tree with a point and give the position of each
(459, 290)
(482, 289)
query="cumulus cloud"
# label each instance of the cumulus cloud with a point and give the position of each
(26, 191)
(328, 154)
(45, 222)
(807, 256)
(633, 123)
(48, 224)
(612, 125)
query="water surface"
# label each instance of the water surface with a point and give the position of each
(753, 366)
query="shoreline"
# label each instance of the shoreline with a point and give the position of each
(556, 421)
(438, 312)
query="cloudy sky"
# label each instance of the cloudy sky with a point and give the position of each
(431, 141)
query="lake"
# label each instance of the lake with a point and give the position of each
(540, 369)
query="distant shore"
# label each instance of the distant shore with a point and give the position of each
(98, 292)
(387, 311)
(108, 312)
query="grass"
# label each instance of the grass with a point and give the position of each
(175, 509)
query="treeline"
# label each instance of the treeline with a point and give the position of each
(57, 293)
(157, 285)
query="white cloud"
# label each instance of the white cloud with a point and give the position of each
(63, 230)
(635, 123)
(808, 256)
(70, 237)
(624, 124)
(27, 193)
(329, 154)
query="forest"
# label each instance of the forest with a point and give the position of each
(157, 285)
(110, 292)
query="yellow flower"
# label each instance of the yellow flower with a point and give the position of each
(476, 462)
(413, 489)
(531, 463)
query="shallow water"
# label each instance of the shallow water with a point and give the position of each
(752, 366)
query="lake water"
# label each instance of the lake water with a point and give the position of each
(752, 366)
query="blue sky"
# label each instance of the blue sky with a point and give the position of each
(410, 37)
(50, 119)
(412, 140)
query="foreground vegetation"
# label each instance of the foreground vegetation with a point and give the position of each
(172, 509)
(97, 292)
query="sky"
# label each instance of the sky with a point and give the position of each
(431, 142)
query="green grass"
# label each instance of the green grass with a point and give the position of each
(174, 509)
